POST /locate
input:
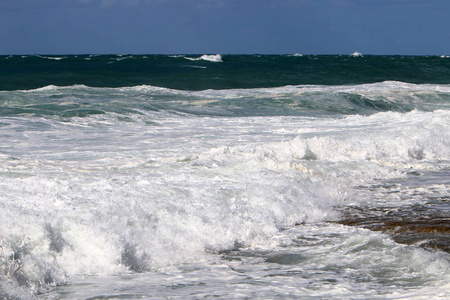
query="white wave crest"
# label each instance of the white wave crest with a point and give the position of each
(212, 58)
(356, 54)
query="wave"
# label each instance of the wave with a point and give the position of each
(131, 178)
(212, 58)
(39, 56)
(85, 209)
(356, 54)
(117, 192)
(53, 57)
(303, 100)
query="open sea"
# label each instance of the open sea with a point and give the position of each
(224, 176)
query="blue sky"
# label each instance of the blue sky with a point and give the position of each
(419, 27)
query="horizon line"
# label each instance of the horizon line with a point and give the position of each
(262, 54)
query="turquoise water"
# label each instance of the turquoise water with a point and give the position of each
(234, 71)
(190, 177)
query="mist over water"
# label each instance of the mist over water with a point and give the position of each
(151, 191)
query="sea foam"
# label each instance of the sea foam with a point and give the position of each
(149, 183)
(212, 58)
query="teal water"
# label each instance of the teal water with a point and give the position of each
(233, 71)
(303, 100)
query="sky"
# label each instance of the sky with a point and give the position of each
(405, 27)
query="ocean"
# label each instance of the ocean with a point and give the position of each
(224, 176)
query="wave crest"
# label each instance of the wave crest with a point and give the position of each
(212, 58)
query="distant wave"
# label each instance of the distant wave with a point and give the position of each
(52, 57)
(356, 54)
(213, 58)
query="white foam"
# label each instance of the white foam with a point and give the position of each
(380, 88)
(388, 88)
(305, 261)
(425, 293)
(53, 57)
(356, 54)
(212, 58)
(98, 195)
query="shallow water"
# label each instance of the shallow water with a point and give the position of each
(425, 219)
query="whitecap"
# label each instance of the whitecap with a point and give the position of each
(53, 57)
(50, 57)
(212, 58)
(356, 54)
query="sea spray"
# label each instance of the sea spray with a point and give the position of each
(154, 191)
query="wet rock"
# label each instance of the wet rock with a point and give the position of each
(420, 225)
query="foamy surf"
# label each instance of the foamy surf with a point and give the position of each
(155, 192)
